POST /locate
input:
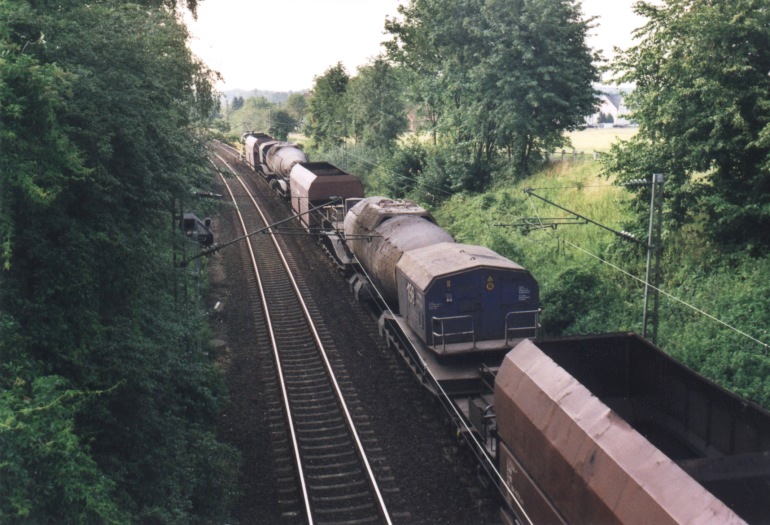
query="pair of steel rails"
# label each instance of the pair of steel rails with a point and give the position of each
(336, 482)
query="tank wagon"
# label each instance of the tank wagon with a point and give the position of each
(273, 159)
(379, 230)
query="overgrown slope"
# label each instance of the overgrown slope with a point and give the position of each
(592, 281)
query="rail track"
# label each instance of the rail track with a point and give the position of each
(326, 476)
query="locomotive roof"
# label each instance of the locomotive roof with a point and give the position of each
(423, 265)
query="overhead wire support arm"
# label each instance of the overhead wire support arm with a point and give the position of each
(541, 223)
(216, 247)
(622, 234)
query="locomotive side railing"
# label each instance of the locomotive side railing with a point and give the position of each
(509, 321)
(443, 334)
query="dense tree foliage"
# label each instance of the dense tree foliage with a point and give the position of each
(296, 105)
(259, 114)
(281, 124)
(702, 101)
(252, 115)
(375, 104)
(237, 103)
(354, 122)
(503, 76)
(403, 169)
(327, 110)
(106, 403)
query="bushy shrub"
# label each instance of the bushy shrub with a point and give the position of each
(403, 169)
(451, 170)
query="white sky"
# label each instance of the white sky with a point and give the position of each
(280, 45)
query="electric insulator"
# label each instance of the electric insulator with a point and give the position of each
(636, 182)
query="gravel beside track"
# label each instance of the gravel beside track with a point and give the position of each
(429, 480)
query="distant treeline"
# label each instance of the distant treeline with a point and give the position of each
(274, 97)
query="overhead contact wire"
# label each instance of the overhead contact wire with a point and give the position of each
(642, 281)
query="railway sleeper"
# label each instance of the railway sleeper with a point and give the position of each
(352, 471)
(365, 506)
(355, 483)
(344, 497)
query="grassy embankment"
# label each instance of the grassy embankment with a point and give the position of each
(585, 273)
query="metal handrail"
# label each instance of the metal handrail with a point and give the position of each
(443, 335)
(520, 328)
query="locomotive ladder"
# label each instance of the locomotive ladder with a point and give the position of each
(335, 479)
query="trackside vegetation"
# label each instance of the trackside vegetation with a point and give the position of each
(107, 401)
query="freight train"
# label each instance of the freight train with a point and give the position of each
(595, 429)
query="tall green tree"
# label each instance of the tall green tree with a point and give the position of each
(106, 408)
(46, 469)
(431, 40)
(376, 112)
(327, 110)
(281, 124)
(702, 101)
(535, 82)
(296, 105)
(500, 76)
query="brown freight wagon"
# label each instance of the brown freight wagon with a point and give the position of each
(315, 184)
(609, 429)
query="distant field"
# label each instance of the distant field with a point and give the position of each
(587, 141)
(599, 139)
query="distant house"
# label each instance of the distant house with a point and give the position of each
(612, 105)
